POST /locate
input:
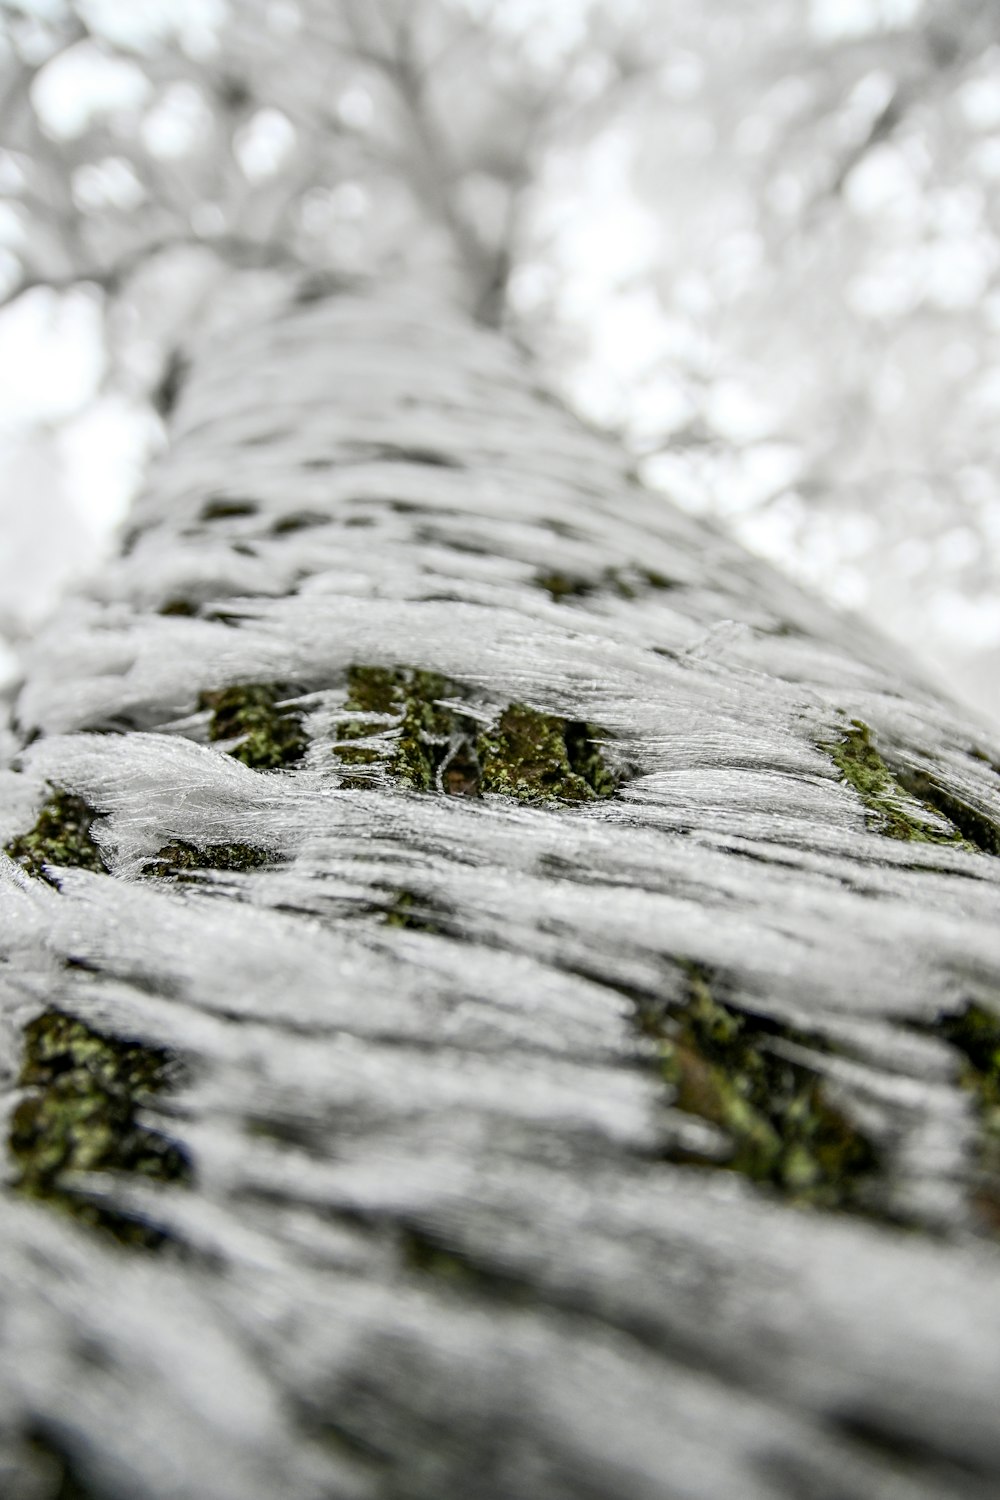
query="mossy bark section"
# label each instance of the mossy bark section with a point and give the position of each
(538, 757)
(893, 810)
(268, 735)
(179, 861)
(726, 1067)
(79, 1114)
(974, 826)
(410, 734)
(451, 1267)
(415, 913)
(623, 583)
(975, 1033)
(405, 722)
(61, 836)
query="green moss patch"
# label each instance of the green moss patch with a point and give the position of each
(985, 759)
(415, 913)
(452, 1268)
(431, 1258)
(626, 583)
(61, 836)
(80, 1115)
(410, 736)
(722, 1065)
(892, 810)
(974, 826)
(538, 757)
(975, 1033)
(179, 860)
(401, 725)
(269, 735)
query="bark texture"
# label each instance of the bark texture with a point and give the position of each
(500, 990)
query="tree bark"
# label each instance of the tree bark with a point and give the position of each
(561, 958)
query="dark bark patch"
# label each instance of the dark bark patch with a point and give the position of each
(398, 453)
(656, 580)
(299, 520)
(726, 1066)
(986, 760)
(59, 1474)
(415, 913)
(61, 836)
(167, 392)
(79, 1114)
(892, 810)
(560, 586)
(268, 734)
(461, 545)
(876, 1432)
(317, 286)
(222, 508)
(224, 617)
(784, 630)
(430, 1255)
(178, 607)
(564, 529)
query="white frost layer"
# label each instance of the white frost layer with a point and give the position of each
(360, 1091)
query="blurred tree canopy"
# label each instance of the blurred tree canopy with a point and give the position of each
(762, 242)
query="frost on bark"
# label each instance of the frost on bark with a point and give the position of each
(500, 991)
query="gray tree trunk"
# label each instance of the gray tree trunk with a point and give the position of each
(581, 1082)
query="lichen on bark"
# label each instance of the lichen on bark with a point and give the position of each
(623, 583)
(892, 810)
(80, 1114)
(975, 1033)
(414, 913)
(268, 734)
(61, 836)
(411, 733)
(978, 830)
(178, 860)
(727, 1067)
(538, 757)
(406, 721)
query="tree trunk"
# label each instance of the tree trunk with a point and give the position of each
(524, 1019)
